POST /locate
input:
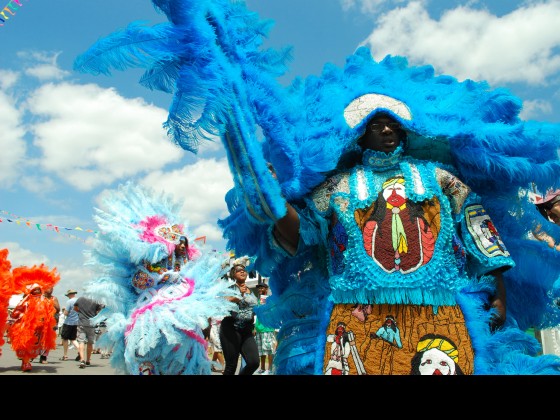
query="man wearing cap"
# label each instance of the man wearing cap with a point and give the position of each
(70, 327)
(548, 206)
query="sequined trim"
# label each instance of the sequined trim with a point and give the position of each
(361, 107)
(322, 195)
(381, 161)
(453, 188)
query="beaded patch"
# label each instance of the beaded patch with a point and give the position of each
(170, 233)
(338, 240)
(362, 106)
(453, 188)
(322, 194)
(396, 231)
(142, 280)
(483, 231)
(397, 340)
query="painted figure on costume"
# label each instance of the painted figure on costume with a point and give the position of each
(396, 233)
(437, 355)
(389, 332)
(340, 351)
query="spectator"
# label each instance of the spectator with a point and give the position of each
(87, 309)
(47, 294)
(236, 330)
(548, 206)
(265, 336)
(216, 347)
(61, 319)
(69, 331)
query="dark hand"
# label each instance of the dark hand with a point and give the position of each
(497, 319)
(498, 302)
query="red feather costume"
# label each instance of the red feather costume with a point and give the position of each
(6, 291)
(33, 328)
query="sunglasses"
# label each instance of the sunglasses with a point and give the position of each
(239, 270)
(378, 128)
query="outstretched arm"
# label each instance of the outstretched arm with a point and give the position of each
(286, 229)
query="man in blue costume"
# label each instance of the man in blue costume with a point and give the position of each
(394, 230)
(414, 221)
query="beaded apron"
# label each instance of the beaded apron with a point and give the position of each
(397, 340)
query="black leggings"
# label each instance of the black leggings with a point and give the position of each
(238, 342)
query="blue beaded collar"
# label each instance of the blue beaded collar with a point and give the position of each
(381, 161)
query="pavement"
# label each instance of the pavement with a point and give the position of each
(11, 365)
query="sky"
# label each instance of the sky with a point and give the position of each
(67, 137)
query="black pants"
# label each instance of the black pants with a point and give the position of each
(238, 342)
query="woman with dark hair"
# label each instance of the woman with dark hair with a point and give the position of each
(236, 331)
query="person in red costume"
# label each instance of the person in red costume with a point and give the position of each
(6, 287)
(34, 324)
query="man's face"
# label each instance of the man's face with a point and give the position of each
(383, 134)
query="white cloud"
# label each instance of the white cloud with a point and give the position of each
(517, 47)
(534, 109)
(8, 79)
(71, 276)
(201, 187)
(12, 143)
(92, 136)
(43, 65)
(367, 6)
(38, 184)
(19, 256)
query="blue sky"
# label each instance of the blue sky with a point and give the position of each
(67, 137)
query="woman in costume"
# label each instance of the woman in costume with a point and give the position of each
(33, 329)
(158, 290)
(466, 155)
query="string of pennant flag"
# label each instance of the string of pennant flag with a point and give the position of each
(22, 221)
